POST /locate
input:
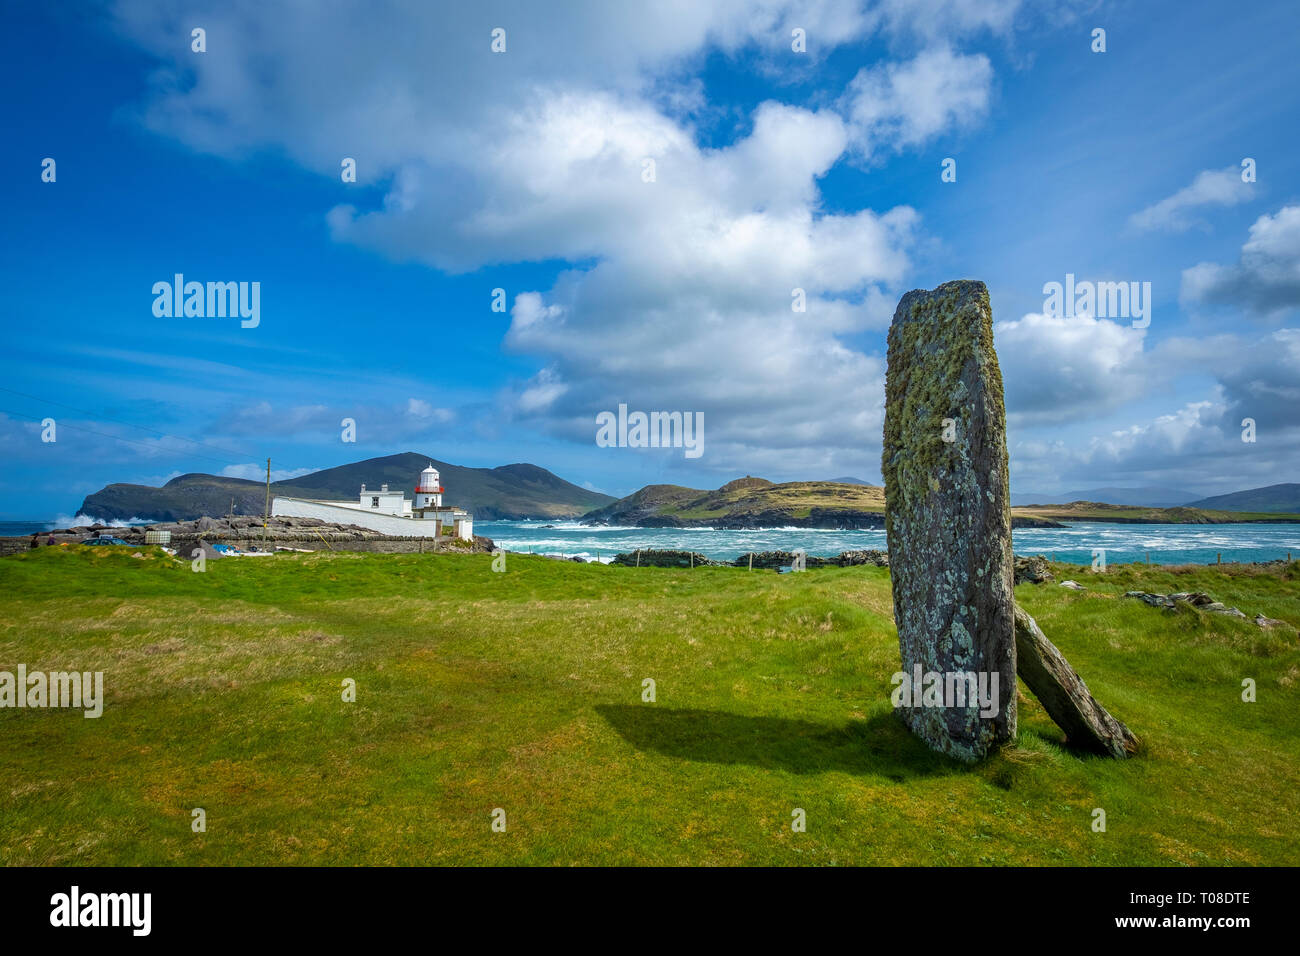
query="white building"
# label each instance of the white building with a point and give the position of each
(388, 511)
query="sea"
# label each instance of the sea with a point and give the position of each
(1075, 543)
(1123, 543)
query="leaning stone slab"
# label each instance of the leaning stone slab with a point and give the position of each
(947, 512)
(1065, 696)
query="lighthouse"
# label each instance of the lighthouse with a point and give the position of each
(428, 493)
(389, 511)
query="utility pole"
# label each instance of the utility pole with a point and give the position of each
(267, 514)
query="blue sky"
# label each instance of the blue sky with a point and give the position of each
(522, 170)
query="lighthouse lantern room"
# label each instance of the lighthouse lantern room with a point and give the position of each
(428, 493)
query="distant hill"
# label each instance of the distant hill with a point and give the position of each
(1284, 498)
(757, 503)
(510, 491)
(848, 481)
(1139, 497)
(1128, 514)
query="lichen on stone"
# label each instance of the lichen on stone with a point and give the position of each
(947, 504)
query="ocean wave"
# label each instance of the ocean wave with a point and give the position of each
(73, 521)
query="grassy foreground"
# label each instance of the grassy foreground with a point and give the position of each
(522, 691)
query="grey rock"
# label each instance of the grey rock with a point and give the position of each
(1272, 622)
(947, 508)
(1073, 585)
(848, 559)
(1065, 696)
(1033, 569)
(1155, 600)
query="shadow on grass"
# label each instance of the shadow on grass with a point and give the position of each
(879, 746)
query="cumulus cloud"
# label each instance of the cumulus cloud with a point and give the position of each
(939, 18)
(255, 472)
(1212, 187)
(680, 296)
(685, 298)
(1056, 368)
(897, 105)
(1266, 279)
(1258, 378)
(1200, 441)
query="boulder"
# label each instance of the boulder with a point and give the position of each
(1155, 600)
(1033, 569)
(1194, 598)
(1271, 622)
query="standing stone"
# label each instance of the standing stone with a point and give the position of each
(947, 514)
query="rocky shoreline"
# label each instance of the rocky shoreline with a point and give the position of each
(1035, 568)
(247, 533)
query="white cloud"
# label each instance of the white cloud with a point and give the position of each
(1266, 279)
(1212, 187)
(1057, 369)
(537, 154)
(941, 18)
(1199, 442)
(419, 409)
(255, 472)
(896, 105)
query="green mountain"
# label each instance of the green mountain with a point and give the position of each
(758, 503)
(510, 491)
(1284, 498)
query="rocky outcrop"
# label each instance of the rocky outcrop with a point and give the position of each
(1272, 622)
(1033, 569)
(650, 558)
(759, 560)
(1201, 601)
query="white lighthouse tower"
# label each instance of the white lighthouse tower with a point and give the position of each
(428, 493)
(390, 512)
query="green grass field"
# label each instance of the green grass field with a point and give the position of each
(522, 691)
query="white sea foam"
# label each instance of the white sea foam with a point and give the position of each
(79, 519)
